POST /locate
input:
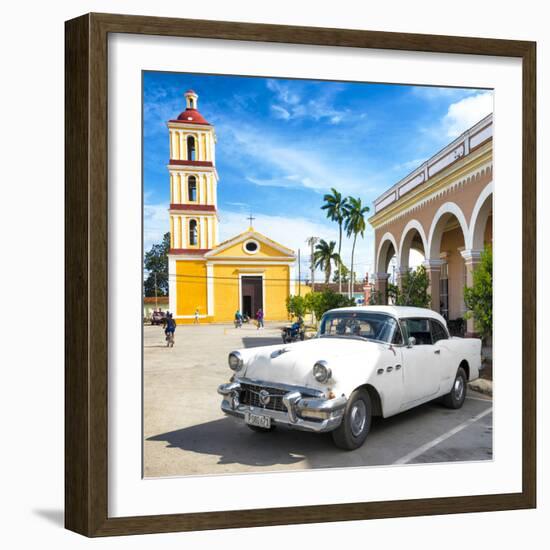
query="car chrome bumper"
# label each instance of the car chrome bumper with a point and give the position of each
(313, 414)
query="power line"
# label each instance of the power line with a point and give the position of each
(182, 276)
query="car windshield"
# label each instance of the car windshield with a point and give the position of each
(361, 324)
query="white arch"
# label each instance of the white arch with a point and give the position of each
(447, 208)
(387, 237)
(413, 224)
(477, 211)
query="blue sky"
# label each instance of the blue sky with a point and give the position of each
(281, 144)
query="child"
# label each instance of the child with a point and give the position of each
(170, 330)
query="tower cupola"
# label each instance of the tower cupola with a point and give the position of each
(191, 99)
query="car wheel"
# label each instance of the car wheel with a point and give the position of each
(356, 423)
(261, 430)
(455, 398)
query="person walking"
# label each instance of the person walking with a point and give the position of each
(196, 321)
(260, 319)
(170, 330)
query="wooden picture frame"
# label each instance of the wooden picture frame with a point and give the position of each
(86, 282)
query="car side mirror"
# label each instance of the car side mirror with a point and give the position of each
(411, 342)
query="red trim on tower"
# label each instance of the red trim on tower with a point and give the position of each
(190, 162)
(195, 251)
(198, 207)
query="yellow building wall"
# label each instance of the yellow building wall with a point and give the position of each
(301, 289)
(226, 290)
(191, 289)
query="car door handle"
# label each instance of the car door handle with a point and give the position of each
(438, 351)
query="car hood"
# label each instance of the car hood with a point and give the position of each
(293, 363)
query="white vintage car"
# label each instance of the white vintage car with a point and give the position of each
(364, 362)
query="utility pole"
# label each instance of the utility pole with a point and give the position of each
(312, 241)
(156, 297)
(299, 274)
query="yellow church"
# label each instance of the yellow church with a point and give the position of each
(208, 279)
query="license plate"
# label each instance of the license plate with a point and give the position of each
(257, 420)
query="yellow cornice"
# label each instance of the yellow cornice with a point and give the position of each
(467, 164)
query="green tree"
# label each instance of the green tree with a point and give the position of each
(155, 263)
(414, 289)
(296, 306)
(355, 224)
(345, 274)
(334, 206)
(392, 292)
(312, 302)
(320, 302)
(479, 297)
(324, 256)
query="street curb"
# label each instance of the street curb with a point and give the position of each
(482, 386)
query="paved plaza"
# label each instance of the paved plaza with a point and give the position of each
(185, 432)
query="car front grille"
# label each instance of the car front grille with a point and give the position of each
(250, 396)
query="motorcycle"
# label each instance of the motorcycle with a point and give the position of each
(293, 333)
(238, 322)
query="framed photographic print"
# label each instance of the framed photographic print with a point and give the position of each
(299, 275)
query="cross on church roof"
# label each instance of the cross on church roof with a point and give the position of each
(250, 219)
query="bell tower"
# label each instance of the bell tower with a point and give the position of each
(193, 181)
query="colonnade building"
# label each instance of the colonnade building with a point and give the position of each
(444, 210)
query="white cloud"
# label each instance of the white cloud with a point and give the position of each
(409, 164)
(155, 224)
(288, 181)
(465, 113)
(283, 92)
(440, 92)
(294, 164)
(292, 106)
(280, 112)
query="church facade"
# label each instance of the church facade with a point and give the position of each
(208, 279)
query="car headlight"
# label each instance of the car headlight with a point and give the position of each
(235, 361)
(321, 372)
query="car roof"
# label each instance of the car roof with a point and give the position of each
(401, 312)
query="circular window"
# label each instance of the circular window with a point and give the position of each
(251, 247)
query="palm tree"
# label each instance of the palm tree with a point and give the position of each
(335, 205)
(355, 224)
(324, 256)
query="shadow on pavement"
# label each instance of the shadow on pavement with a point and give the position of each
(237, 444)
(255, 342)
(389, 439)
(155, 346)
